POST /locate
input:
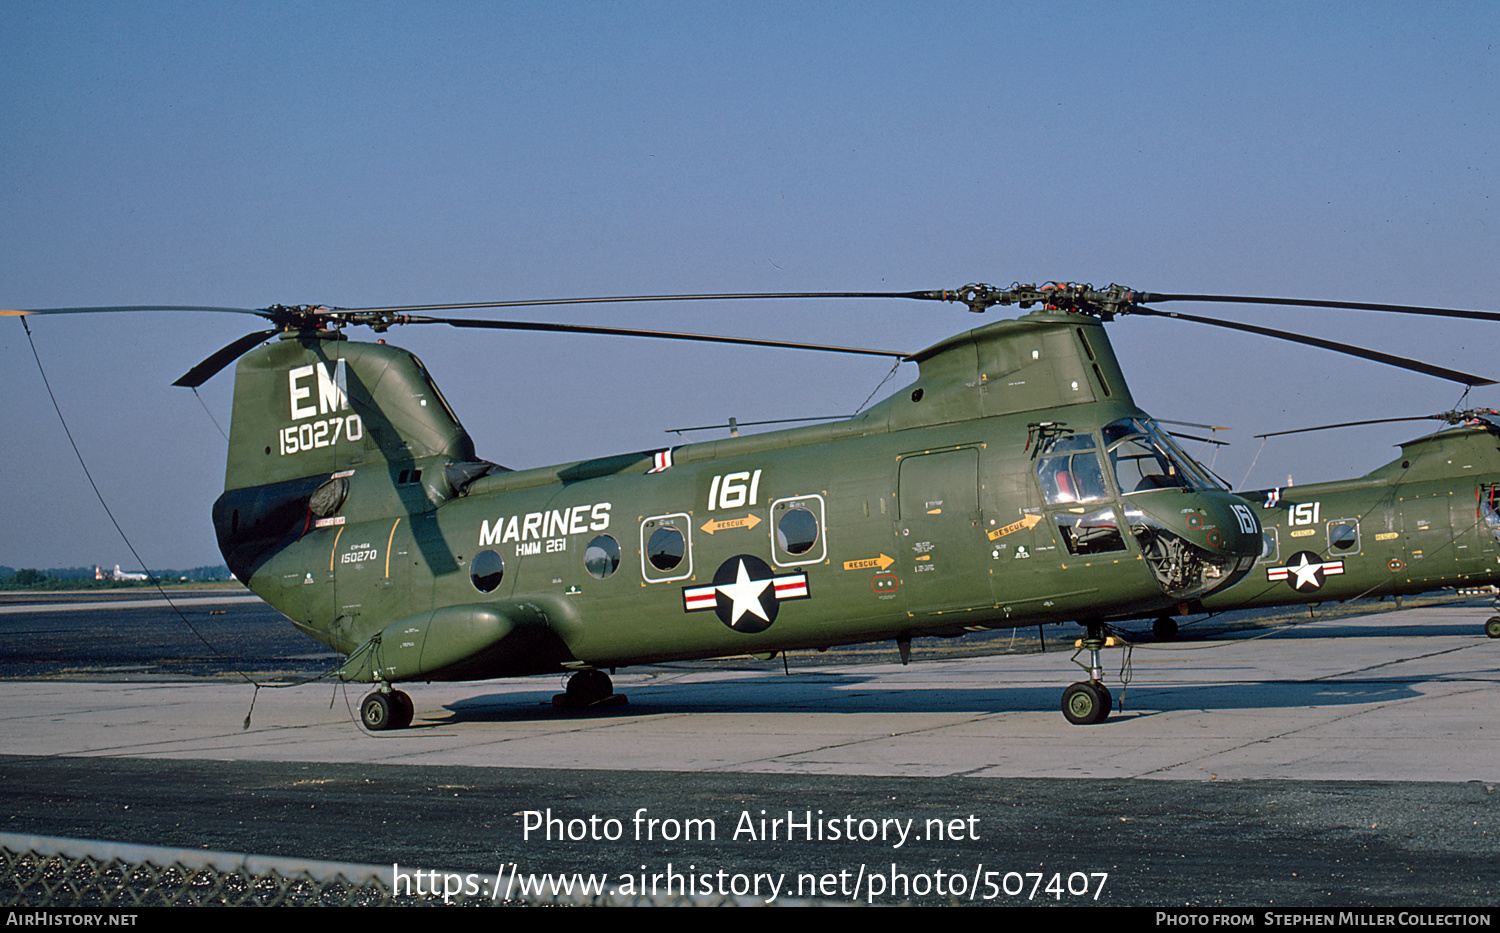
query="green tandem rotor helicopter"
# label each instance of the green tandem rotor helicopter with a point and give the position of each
(1429, 519)
(1014, 483)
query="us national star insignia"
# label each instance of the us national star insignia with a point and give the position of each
(1305, 572)
(746, 594)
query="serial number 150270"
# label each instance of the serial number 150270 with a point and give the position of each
(310, 435)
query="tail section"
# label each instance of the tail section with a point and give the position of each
(309, 409)
(314, 403)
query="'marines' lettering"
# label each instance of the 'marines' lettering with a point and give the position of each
(534, 526)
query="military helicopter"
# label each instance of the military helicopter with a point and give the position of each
(1427, 520)
(1014, 483)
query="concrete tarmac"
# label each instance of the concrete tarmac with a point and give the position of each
(1350, 762)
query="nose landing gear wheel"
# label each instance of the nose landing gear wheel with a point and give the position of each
(1089, 701)
(1086, 703)
(1492, 627)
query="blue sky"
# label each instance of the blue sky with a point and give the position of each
(374, 153)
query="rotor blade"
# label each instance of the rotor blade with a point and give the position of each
(1375, 355)
(1452, 417)
(659, 334)
(1194, 437)
(129, 308)
(1189, 424)
(206, 370)
(408, 309)
(752, 424)
(1318, 303)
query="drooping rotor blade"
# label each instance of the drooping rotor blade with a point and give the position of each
(1402, 362)
(656, 334)
(206, 370)
(1451, 417)
(1156, 298)
(1194, 437)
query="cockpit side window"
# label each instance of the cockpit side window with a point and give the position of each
(1095, 533)
(1072, 478)
(1067, 476)
(1489, 507)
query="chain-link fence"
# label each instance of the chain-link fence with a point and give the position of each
(52, 873)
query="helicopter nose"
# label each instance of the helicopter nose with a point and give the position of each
(1231, 530)
(1239, 529)
(1195, 544)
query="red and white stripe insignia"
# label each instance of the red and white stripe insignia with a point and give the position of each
(792, 587)
(697, 598)
(661, 460)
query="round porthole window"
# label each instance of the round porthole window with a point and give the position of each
(665, 548)
(486, 571)
(602, 557)
(1343, 537)
(797, 531)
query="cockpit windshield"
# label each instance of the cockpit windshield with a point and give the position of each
(1144, 457)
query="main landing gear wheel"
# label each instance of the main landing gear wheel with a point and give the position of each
(1164, 628)
(406, 708)
(382, 711)
(1492, 627)
(1086, 703)
(588, 688)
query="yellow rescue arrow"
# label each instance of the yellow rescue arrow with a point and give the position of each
(1027, 521)
(724, 524)
(869, 563)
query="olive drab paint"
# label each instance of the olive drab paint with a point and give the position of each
(356, 504)
(1426, 520)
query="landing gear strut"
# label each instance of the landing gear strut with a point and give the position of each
(588, 688)
(1089, 701)
(386, 709)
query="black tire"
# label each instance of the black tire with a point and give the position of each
(1164, 628)
(1085, 704)
(1492, 627)
(405, 709)
(377, 712)
(587, 687)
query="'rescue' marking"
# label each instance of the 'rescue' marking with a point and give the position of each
(870, 563)
(725, 524)
(1027, 521)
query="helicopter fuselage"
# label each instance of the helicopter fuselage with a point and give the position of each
(354, 504)
(1425, 521)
